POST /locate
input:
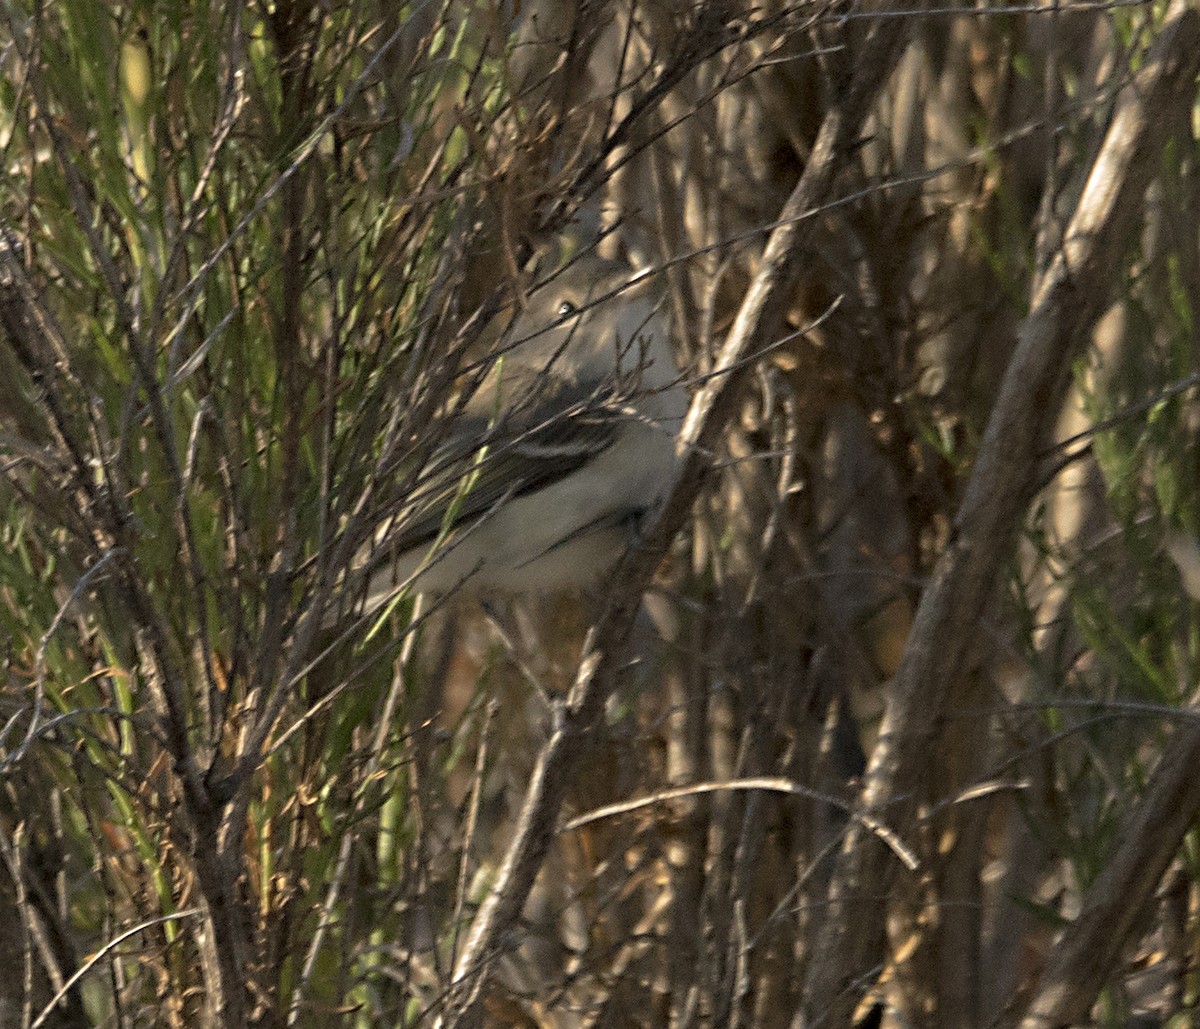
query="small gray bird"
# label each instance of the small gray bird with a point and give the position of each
(566, 446)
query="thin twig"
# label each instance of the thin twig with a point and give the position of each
(772, 784)
(116, 941)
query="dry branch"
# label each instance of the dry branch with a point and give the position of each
(1088, 950)
(1068, 297)
(759, 318)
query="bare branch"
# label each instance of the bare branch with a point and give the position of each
(1067, 300)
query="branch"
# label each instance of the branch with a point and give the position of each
(759, 318)
(1068, 298)
(1085, 954)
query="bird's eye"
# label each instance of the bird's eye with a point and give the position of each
(566, 309)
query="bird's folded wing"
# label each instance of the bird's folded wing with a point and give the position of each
(482, 466)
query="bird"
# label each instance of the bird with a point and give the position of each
(556, 459)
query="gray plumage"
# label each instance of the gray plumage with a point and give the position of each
(568, 443)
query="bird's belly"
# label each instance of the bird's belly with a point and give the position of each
(563, 536)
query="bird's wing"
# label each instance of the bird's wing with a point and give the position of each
(483, 465)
